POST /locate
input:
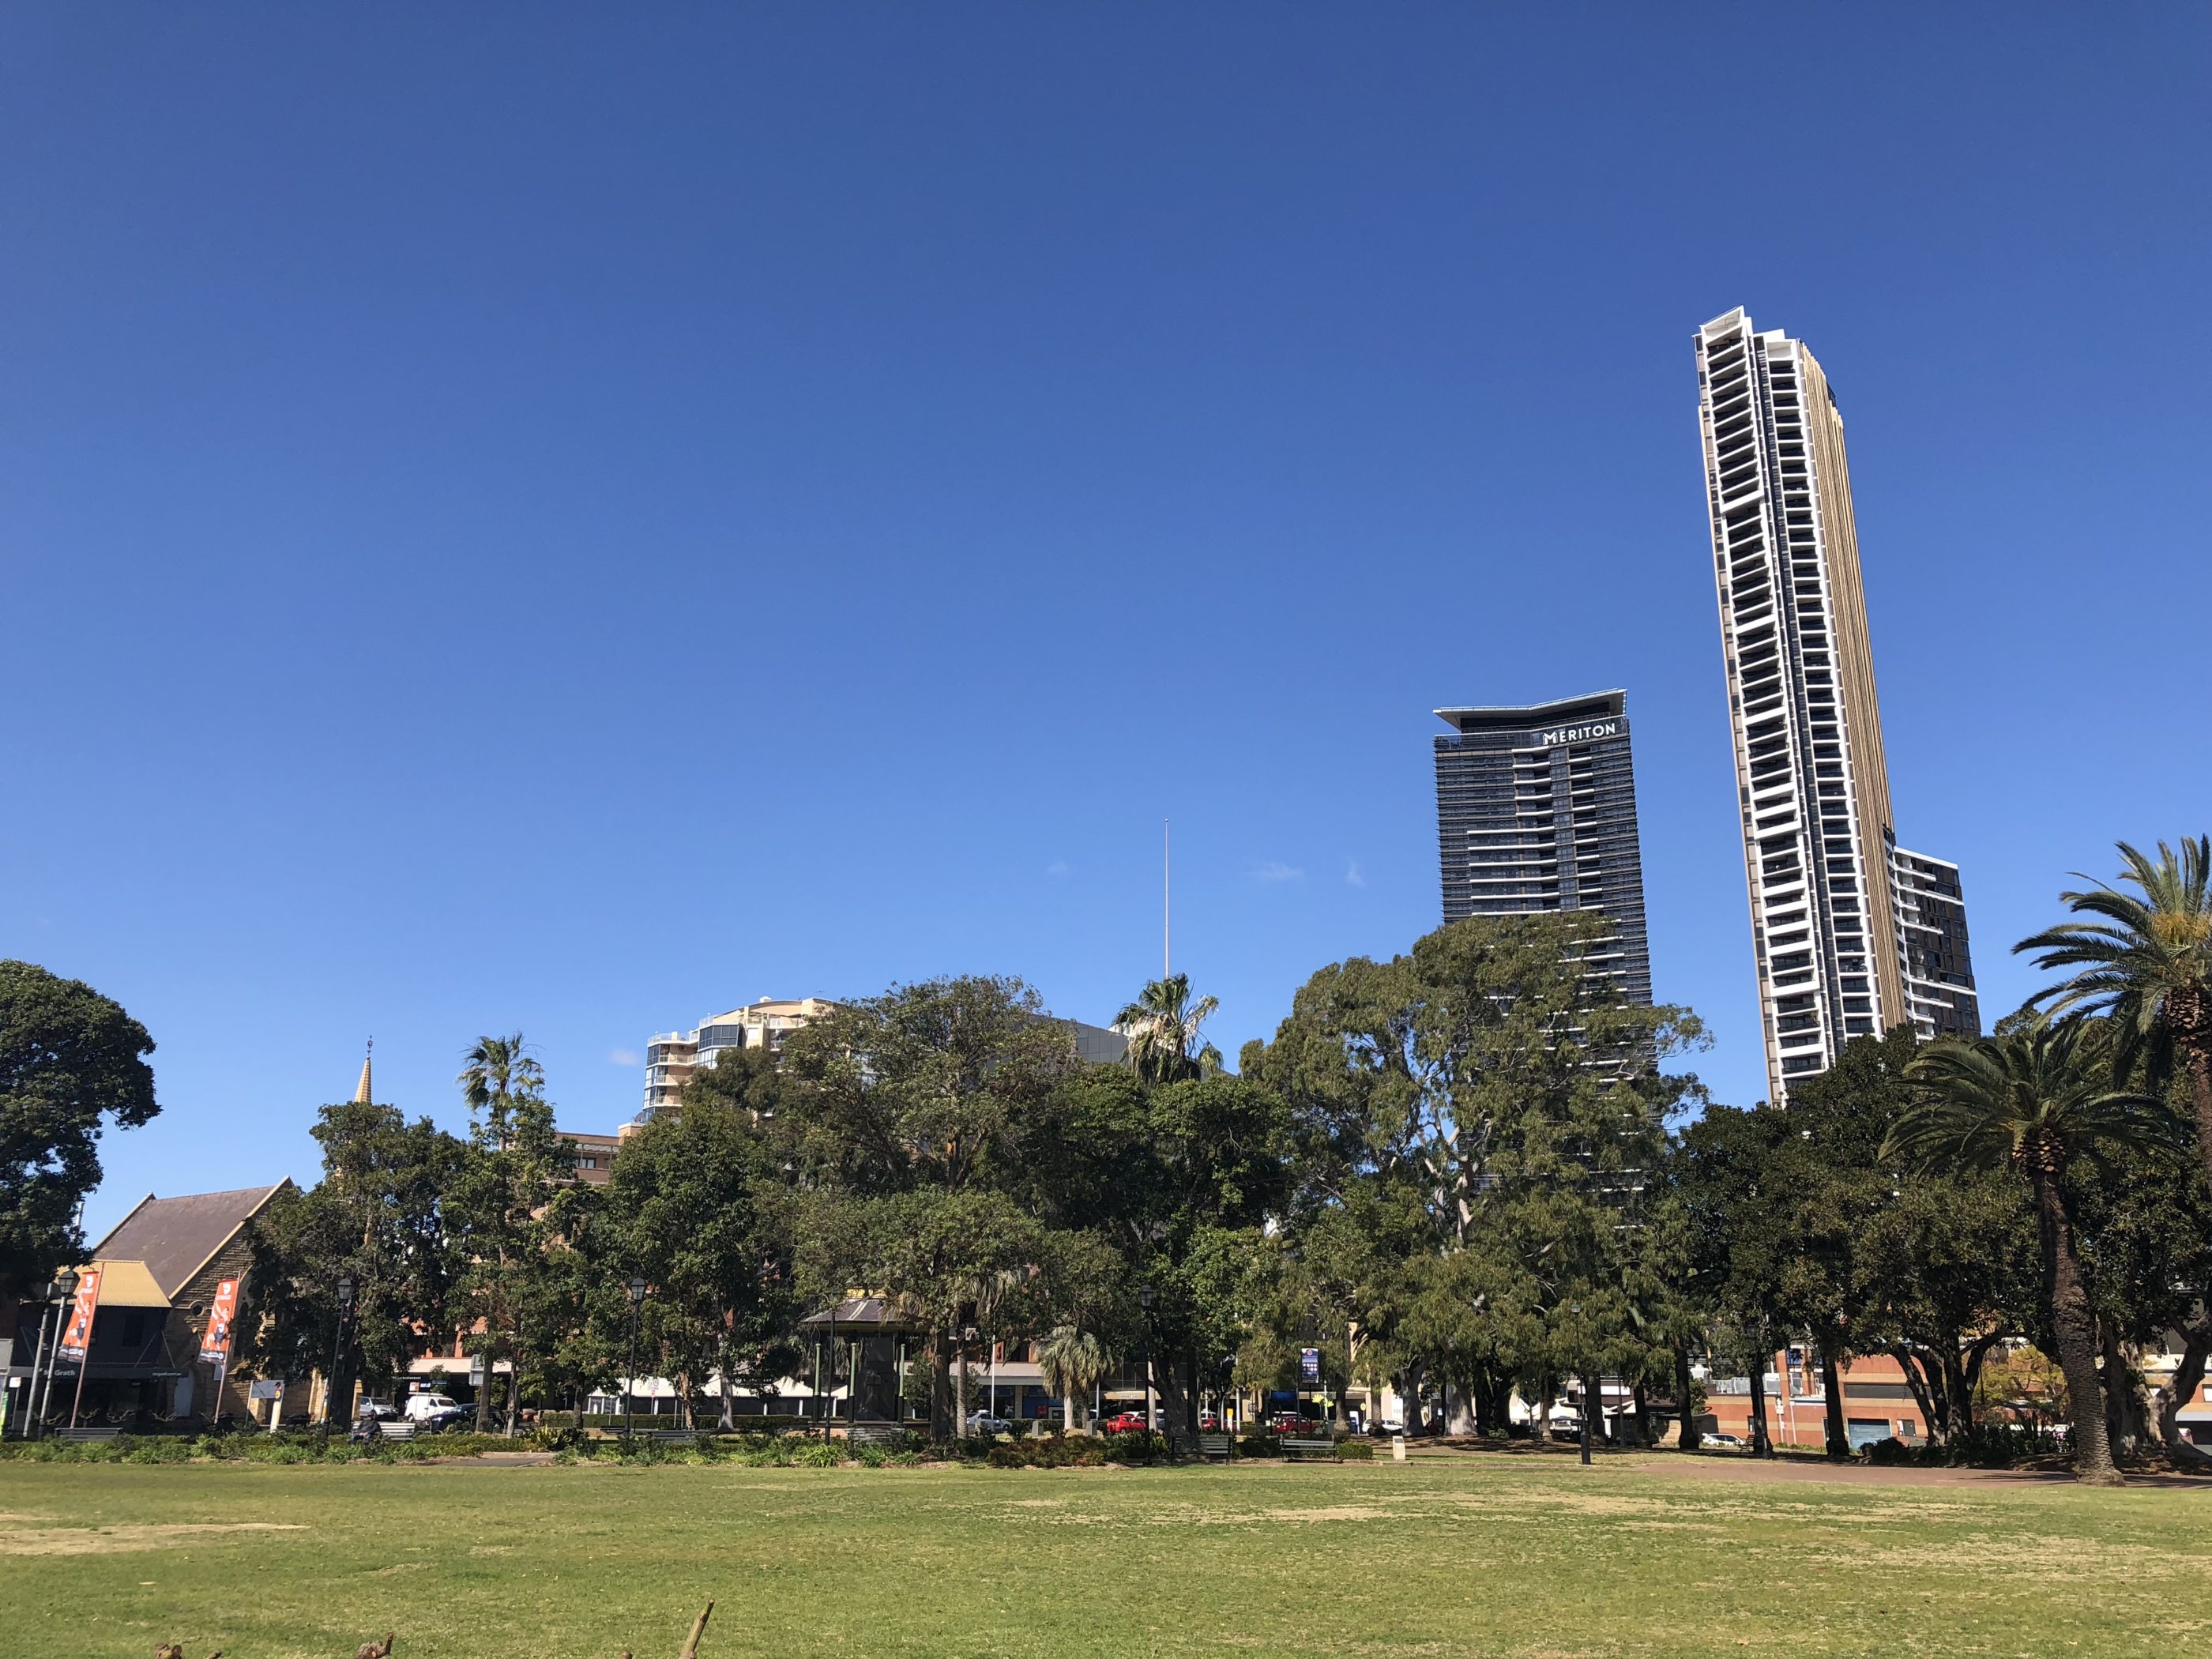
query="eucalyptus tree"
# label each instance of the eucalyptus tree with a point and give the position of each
(690, 1206)
(1490, 1077)
(900, 1131)
(379, 1216)
(2037, 1097)
(71, 1063)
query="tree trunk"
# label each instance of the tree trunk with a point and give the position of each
(1409, 1398)
(1459, 1417)
(1924, 1376)
(2188, 1378)
(1834, 1431)
(959, 1387)
(1762, 1444)
(725, 1420)
(2073, 1325)
(2188, 1010)
(940, 1388)
(1970, 1375)
(1175, 1406)
(1687, 1435)
(1067, 1413)
(2114, 1375)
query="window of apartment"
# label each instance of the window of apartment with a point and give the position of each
(586, 1161)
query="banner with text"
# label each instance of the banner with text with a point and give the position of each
(214, 1345)
(77, 1336)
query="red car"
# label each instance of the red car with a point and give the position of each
(1291, 1424)
(1124, 1422)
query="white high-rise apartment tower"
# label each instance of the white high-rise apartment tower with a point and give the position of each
(1853, 935)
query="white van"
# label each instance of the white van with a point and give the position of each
(422, 1407)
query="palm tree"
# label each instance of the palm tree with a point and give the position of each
(1071, 1361)
(1163, 1028)
(2037, 1098)
(2147, 963)
(498, 1069)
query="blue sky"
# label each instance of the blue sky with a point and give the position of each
(576, 518)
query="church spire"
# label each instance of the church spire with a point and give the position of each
(362, 1094)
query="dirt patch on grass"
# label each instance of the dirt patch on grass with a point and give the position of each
(128, 1536)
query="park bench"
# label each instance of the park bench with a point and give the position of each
(1298, 1448)
(398, 1428)
(1214, 1446)
(86, 1433)
(669, 1436)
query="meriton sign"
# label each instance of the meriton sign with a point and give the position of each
(1579, 733)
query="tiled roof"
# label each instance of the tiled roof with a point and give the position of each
(174, 1236)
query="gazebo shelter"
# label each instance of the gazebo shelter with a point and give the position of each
(857, 1353)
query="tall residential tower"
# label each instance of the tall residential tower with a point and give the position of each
(1536, 811)
(1853, 934)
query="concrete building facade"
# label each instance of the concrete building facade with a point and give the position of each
(1851, 934)
(671, 1057)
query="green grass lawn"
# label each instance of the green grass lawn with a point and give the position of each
(1473, 1555)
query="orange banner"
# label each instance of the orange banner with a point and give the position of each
(77, 1336)
(216, 1343)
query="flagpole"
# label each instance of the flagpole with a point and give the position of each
(1166, 905)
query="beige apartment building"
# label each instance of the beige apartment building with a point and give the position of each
(671, 1057)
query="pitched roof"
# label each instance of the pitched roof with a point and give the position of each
(129, 1284)
(174, 1236)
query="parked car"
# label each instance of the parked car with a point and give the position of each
(1209, 1422)
(447, 1420)
(1124, 1422)
(984, 1422)
(1732, 1441)
(1292, 1423)
(423, 1406)
(379, 1409)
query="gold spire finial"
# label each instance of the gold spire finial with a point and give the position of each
(361, 1093)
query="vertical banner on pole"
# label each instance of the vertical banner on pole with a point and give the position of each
(214, 1341)
(76, 1334)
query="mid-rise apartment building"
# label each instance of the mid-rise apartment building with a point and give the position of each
(671, 1057)
(1853, 934)
(1536, 811)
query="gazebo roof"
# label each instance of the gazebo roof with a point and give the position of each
(880, 1313)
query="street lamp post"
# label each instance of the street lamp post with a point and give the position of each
(630, 1381)
(1145, 1301)
(59, 1293)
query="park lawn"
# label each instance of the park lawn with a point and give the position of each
(1488, 1555)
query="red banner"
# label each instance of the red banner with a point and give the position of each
(214, 1345)
(77, 1336)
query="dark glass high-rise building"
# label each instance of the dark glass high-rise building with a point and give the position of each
(1536, 811)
